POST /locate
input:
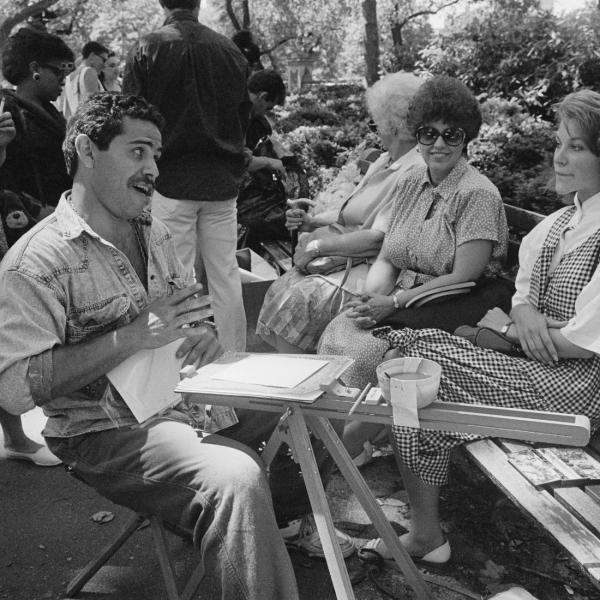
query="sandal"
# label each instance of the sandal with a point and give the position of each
(438, 556)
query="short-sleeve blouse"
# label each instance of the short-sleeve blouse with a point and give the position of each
(429, 223)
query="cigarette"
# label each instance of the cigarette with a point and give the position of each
(360, 398)
(2, 105)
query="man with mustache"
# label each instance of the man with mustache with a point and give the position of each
(91, 285)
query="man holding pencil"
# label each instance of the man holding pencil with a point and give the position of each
(197, 78)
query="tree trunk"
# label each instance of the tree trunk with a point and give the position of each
(369, 8)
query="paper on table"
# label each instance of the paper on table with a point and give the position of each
(147, 379)
(403, 394)
(271, 371)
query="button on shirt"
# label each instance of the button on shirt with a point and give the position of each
(63, 284)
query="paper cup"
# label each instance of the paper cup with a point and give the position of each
(426, 373)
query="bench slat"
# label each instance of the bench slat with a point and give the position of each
(555, 518)
(580, 504)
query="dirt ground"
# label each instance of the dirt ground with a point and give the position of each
(47, 534)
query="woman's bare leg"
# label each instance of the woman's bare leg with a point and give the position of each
(425, 532)
(14, 436)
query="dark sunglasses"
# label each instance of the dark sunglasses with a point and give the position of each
(60, 72)
(453, 136)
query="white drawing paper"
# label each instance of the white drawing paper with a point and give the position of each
(147, 380)
(271, 371)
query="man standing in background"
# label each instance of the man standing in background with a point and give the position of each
(83, 82)
(197, 78)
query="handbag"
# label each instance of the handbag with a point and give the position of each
(325, 265)
(332, 304)
(484, 337)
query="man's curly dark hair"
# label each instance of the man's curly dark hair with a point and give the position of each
(101, 119)
(447, 99)
(31, 45)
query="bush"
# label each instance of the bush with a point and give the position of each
(514, 149)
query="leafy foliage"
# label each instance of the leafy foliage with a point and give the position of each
(513, 49)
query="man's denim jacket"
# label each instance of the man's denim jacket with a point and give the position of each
(63, 284)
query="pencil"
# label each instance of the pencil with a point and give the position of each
(360, 398)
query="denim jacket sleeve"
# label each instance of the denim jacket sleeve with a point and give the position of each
(34, 322)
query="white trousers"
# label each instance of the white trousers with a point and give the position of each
(208, 231)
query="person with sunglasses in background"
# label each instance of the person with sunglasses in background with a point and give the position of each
(447, 227)
(36, 63)
(32, 131)
(84, 81)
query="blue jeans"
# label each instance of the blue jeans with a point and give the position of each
(212, 486)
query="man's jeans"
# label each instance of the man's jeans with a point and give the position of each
(209, 230)
(212, 486)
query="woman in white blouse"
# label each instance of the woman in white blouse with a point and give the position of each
(555, 319)
(299, 305)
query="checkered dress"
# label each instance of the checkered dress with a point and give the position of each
(478, 376)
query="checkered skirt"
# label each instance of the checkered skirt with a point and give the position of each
(479, 376)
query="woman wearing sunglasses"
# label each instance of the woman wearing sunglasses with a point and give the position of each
(447, 227)
(554, 319)
(36, 63)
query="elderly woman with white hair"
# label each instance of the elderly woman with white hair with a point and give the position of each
(297, 307)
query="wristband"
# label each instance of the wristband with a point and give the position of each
(313, 246)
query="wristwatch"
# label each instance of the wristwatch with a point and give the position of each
(504, 329)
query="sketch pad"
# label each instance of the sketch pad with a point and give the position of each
(209, 379)
(270, 371)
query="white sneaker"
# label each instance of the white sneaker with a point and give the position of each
(308, 541)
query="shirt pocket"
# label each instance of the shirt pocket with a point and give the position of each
(90, 320)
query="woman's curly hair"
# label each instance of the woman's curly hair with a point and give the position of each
(30, 45)
(447, 99)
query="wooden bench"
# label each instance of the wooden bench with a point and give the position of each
(279, 254)
(569, 512)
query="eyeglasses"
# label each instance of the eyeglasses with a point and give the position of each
(60, 72)
(453, 136)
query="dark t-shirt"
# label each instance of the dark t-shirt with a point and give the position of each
(197, 78)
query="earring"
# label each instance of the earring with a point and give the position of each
(36, 76)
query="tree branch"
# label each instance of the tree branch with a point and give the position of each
(245, 14)
(231, 15)
(422, 13)
(277, 44)
(23, 15)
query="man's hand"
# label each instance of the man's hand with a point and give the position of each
(171, 317)
(297, 217)
(532, 329)
(370, 309)
(200, 348)
(7, 133)
(265, 162)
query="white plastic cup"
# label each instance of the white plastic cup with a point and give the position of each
(426, 372)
